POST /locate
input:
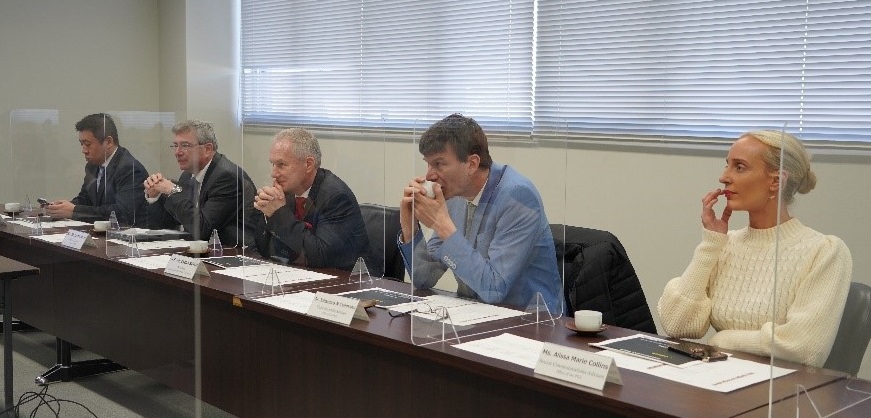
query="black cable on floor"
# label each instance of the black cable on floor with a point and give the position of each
(44, 399)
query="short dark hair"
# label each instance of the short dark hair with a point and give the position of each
(101, 125)
(462, 133)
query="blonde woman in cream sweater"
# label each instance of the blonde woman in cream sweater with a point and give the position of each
(729, 282)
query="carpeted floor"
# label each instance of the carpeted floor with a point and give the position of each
(113, 395)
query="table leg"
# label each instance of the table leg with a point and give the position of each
(17, 326)
(7, 343)
(66, 370)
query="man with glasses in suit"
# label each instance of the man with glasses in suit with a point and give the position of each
(212, 193)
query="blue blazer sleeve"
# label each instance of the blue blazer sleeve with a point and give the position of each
(510, 254)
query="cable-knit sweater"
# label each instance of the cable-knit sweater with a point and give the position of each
(730, 282)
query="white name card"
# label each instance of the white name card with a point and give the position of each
(185, 267)
(337, 308)
(77, 239)
(577, 366)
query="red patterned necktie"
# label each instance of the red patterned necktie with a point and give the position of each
(300, 207)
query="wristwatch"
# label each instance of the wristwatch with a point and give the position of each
(175, 189)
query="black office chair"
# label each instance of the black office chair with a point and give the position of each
(599, 276)
(854, 331)
(382, 226)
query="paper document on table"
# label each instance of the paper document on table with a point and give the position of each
(507, 347)
(52, 238)
(233, 261)
(51, 224)
(283, 274)
(143, 235)
(29, 224)
(152, 262)
(155, 245)
(383, 298)
(462, 311)
(67, 223)
(297, 302)
(719, 376)
(648, 347)
(432, 301)
(478, 313)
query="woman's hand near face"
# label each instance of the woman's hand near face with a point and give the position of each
(709, 217)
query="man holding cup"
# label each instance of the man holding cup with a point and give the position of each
(488, 222)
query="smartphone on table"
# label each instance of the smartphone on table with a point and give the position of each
(698, 351)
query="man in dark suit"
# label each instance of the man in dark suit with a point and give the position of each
(310, 216)
(113, 178)
(212, 193)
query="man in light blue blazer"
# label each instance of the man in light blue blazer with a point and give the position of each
(489, 226)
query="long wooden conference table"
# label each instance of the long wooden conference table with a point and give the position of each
(206, 338)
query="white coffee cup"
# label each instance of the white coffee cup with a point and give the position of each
(588, 320)
(12, 207)
(427, 185)
(101, 226)
(198, 246)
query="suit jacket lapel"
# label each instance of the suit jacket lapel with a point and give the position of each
(311, 202)
(109, 175)
(91, 175)
(496, 172)
(207, 178)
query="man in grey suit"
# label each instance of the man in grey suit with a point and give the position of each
(310, 216)
(212, 193)
(113, 178)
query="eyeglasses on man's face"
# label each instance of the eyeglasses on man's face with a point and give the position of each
(183, 145)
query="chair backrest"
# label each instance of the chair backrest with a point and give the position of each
(382, 226)
(854, 331)
(599, 276)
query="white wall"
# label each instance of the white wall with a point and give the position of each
(166, 55)
(212, 59)
(78, 57)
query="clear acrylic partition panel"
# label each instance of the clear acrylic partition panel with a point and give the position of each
(821, 277)
(42, 157)
(358, 157)
(493, 267)
(143, 138)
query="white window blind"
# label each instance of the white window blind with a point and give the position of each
(387, 64)
(704, 68)
(650, 69)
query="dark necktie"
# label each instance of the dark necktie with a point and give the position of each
(300, 207)
(100, 172)
(101, 178)
(195, 192)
